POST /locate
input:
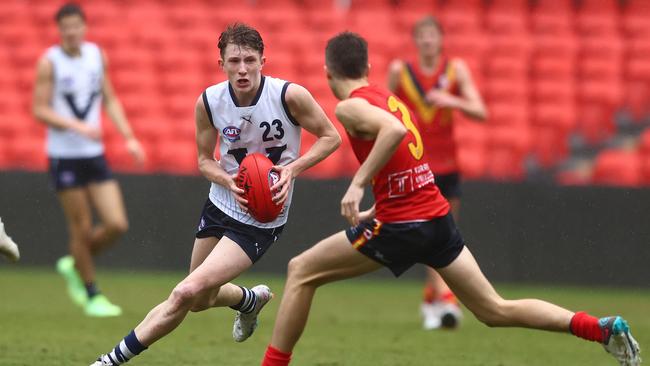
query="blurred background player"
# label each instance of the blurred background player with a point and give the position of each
(8, 247)
(248, 113)
(433, 86)
(71, 83)
(413, 224)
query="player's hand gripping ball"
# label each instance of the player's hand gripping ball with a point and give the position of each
(256, 177)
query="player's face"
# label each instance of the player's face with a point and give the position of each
(72, 29)
(243, 66)
(428, 40)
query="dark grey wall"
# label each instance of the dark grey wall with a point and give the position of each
(518, 232)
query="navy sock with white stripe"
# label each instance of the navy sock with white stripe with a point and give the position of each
(128, 348)
(247, 303)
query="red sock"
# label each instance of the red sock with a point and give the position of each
(428, 294)
(275, 357)
(449, 297)
(586, 326)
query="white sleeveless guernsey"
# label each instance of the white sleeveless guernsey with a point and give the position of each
(76, 94)
(265, 127)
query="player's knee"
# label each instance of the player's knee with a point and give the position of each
(297, 267)
(183, 295)
(200, 306)
(118, 227)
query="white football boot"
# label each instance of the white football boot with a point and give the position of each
(440, 314)
(245, 324)
(618, 341)
(7, 246)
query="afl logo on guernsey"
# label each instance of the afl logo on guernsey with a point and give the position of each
(232, 133)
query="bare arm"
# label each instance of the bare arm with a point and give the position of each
(367, 121)
(469, 102)
(116, 113)
(311, 117)
(206, 141)
(394, 71)
(41, 104)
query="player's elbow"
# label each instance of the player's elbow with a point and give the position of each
(336, 140)
(479, 113)
(398, 131)
(38, 111)
(482, 114)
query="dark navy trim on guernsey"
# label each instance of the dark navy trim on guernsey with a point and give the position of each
(285, 105)
(255, 100)
(417, 84)
(207, 107)
(80, 114)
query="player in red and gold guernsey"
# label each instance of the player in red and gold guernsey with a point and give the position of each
(412, 223)
(433, 87)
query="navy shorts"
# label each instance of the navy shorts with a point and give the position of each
(436, 243)
(253, 240)
(71, 173)
(449, 185)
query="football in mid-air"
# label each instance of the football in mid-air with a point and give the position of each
(256, 177)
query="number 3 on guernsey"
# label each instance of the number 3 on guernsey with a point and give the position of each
(417, 149)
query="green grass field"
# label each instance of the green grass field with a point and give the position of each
(361, 322)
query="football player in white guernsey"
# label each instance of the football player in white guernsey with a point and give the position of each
(71, 83)
(247, 113)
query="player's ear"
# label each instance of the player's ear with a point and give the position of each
(220, 63)
(327, 72)
(262, 60)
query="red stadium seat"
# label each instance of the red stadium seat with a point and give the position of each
(472, 162)
(506, 90)
(511, 68)
(561, 92)
(608, 91)
(553, 6)
(597, 24)
(512, 46)
(180, 158)
(599, 6)
(557, 115)
(458, 20)
(469, 45)
(552, 23)
(595, 122)
(507, 21)
(603, 47)
(637, 100)
(617, 168)
(27, 153)
(508, 5)
(419, 6)
(369, 5)
(636, 25)
(637, 69)
(644, 142)
(553, 46)
(599, 69)
(508, 148)
(470, 133)
(549, 68)
(644, 163)
(508, 114)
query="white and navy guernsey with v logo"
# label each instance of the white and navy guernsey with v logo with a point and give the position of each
(76, 94)
(266, 126)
